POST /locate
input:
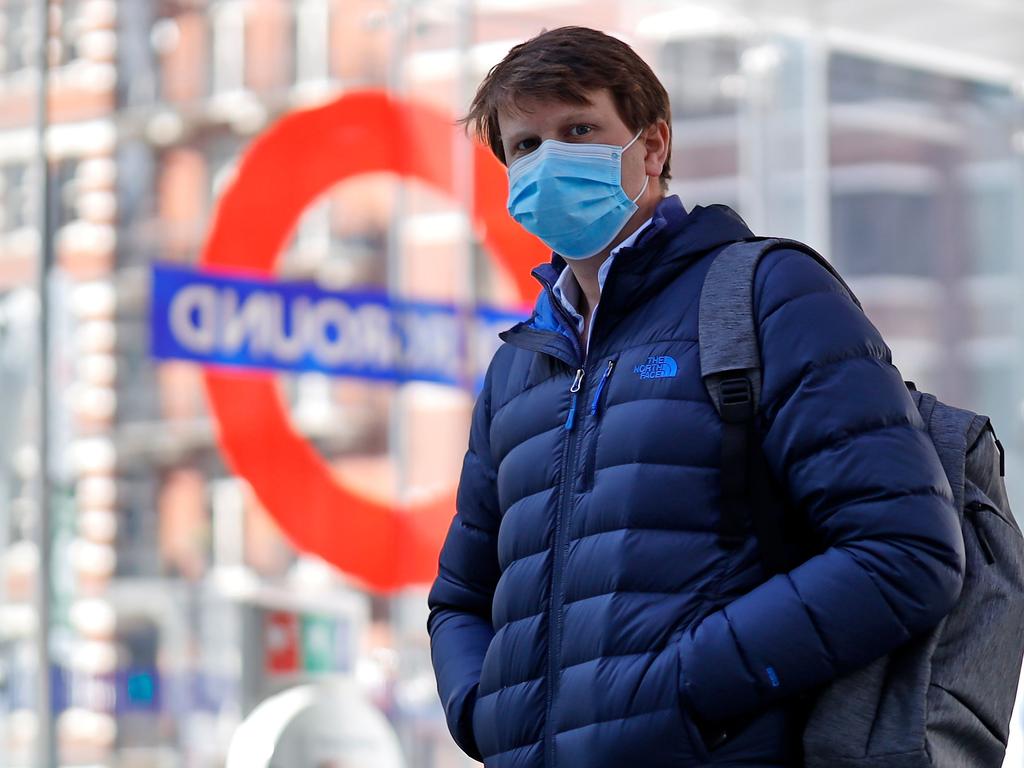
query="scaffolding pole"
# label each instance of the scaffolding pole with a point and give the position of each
(46, 756)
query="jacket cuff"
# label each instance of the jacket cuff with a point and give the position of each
(461, 726)
(713, 678)
(713, 732)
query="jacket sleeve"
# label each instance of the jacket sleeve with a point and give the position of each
(845, 440)
(460, 599)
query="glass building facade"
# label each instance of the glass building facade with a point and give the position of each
(892, 140)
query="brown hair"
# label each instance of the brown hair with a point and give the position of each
(565, 64)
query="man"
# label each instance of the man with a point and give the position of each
(585, 613)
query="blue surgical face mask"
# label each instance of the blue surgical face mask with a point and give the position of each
(570, 195)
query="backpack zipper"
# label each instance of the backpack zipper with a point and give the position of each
(972, 511)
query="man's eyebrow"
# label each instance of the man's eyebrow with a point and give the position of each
(579, 117)
(515, 138)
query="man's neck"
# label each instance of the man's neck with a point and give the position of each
(586, 270)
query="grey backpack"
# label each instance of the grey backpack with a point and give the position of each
(944, 699)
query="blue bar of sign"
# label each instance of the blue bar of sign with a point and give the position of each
(265, 324)
(135, 689)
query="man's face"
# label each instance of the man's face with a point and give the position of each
(536, 120)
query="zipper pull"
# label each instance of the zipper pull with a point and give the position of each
(577, 383)
(600, 387)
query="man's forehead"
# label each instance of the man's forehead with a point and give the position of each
(529, 106)
(532, 112)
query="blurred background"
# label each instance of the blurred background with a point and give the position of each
(162, 596)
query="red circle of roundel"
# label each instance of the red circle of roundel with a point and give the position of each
(305, 153)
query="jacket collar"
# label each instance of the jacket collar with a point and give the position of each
(671, 242)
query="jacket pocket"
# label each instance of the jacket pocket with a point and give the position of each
(697, 738)
(688, 720)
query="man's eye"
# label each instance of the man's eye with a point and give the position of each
(580, 130)
(525, 145)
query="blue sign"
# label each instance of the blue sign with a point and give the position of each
(135, 689)
(259, 323)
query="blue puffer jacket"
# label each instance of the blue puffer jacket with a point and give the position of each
(585, 614)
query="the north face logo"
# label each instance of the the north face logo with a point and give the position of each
(657, 367)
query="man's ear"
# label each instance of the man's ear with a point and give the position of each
(656, 140)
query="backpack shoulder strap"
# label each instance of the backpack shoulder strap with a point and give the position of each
(730, 361)
(730, 364)
(727, 326)
(727, 333)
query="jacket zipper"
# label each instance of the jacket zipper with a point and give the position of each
(556, 599)
(558, 563)
(589, 466)
(574, 390)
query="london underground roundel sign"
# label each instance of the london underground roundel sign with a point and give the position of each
(286, 169)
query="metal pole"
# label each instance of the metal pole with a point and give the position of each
(397, 434)
(46, 743)
(816, 137)
(464, 175)
(751, 130)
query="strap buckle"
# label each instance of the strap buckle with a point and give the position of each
(737, 400)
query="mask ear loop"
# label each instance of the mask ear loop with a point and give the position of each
(647, 179)
(633, 140)
(643, 189)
